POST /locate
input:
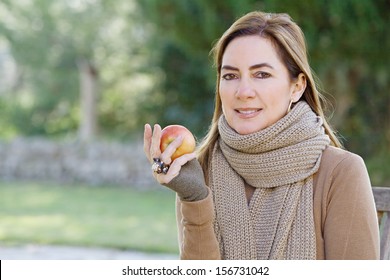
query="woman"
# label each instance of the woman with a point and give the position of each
(270, 180)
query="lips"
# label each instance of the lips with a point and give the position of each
(248, 112)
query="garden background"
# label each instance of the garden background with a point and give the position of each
(80, 78)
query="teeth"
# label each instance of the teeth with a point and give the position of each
(247, 111)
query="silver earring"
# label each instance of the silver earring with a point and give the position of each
(289, 106)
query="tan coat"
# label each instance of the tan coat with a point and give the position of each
(346, 224)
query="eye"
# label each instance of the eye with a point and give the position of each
(262, 75)
(228, 76)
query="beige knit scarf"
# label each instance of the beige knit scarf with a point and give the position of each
(279, 162)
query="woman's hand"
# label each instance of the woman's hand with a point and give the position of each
(152, 139)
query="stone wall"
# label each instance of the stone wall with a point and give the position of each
(95, 163)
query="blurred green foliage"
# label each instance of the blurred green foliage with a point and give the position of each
(47, 39)
(153, 62)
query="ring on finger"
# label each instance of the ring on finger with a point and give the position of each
(159, 166)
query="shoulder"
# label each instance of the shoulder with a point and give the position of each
(335, 160)
(341, 171)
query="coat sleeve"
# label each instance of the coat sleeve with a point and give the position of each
(351, 226)
(197, 240)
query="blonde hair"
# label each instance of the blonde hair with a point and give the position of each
(290, 44)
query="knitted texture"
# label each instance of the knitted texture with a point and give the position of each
(279, 162)
(189, 184)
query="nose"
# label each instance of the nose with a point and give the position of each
(245, 90)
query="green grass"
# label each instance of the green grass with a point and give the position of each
(87, 216)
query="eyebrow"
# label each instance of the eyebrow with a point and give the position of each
(255, 66)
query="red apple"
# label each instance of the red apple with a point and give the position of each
(170, 133)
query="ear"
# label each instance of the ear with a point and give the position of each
(299, 86)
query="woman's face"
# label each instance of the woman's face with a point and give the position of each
(255, 87)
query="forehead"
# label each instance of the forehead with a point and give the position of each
(248, 50)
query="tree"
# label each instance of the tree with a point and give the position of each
(64, 49)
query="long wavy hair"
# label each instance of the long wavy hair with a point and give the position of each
(289, 41)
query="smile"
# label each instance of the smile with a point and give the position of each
(248, 112)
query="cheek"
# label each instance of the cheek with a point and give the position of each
(224, 94)
(226, 103)
(223, 103)
(223, 89)
(280, 94)
(228, 85)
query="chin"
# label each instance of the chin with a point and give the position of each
(245, 130)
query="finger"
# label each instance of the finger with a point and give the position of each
(147, 140)
(155, 144)
(174, 168)
(171, 149)
(180, 161)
